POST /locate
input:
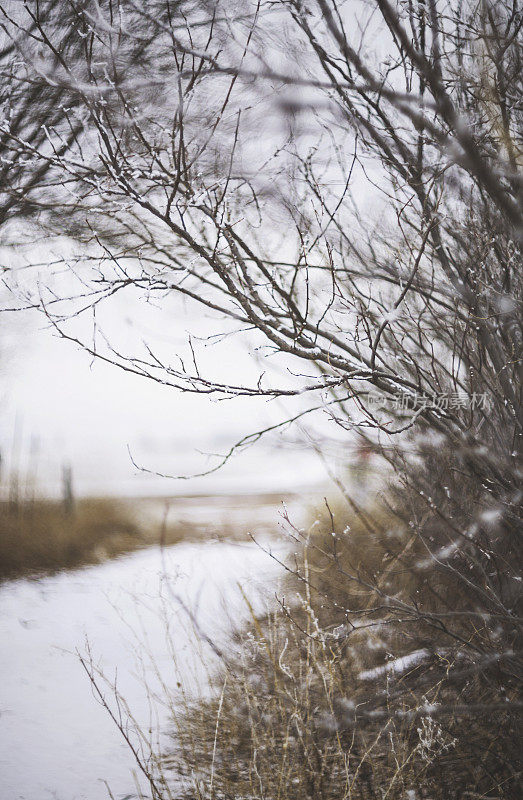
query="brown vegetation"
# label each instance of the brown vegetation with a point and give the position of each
(41, 536)
(311, 703)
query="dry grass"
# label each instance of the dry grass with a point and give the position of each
(280, 722)
(40, 536)
(293, 714)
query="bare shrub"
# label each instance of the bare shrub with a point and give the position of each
(180, 186)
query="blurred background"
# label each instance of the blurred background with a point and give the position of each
(62, 411)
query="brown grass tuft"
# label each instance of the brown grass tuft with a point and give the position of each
(40, 536)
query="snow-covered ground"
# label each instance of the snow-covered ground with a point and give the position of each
(56, 742)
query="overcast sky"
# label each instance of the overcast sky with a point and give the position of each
(59, 407)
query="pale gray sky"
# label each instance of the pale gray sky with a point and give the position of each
(87, 413)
